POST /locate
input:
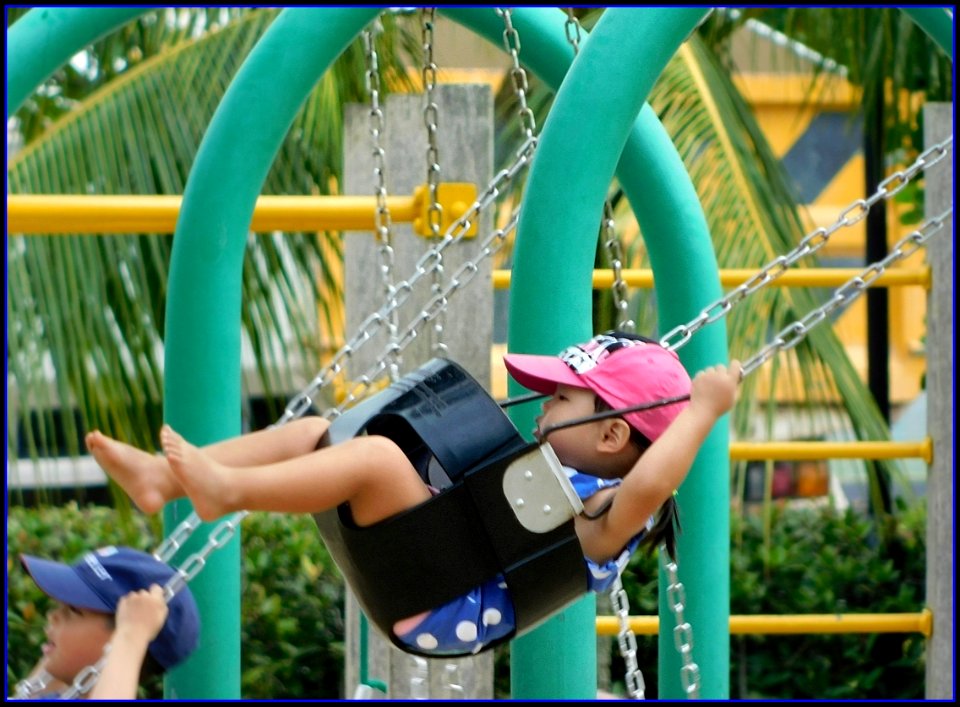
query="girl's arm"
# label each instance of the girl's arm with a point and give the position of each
(140, 616)
(663, 467)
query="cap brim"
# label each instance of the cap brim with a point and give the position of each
(60, 582)
(541, 374)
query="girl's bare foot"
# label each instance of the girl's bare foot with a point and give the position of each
(145, 477)
(200, 477)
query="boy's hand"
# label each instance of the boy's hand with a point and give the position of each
(142, 613)
(714, 389)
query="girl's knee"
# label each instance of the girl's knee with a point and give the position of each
(384, 453)
(312, 430)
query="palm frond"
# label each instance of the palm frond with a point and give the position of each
(89, 311)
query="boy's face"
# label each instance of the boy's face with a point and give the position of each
(75, 639)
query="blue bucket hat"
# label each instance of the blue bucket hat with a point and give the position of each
(100, 579)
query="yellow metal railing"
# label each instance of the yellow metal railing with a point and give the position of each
(767, 624)
(786, 451)
(820, 277)
(55, 214)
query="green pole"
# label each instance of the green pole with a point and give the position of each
(937, 22)
(45, 38)
(202, 356)
(668, 209)
(553, 258)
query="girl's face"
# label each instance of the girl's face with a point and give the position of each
(75, 639)
(575, 445)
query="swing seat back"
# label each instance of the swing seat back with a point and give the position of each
(504, 507)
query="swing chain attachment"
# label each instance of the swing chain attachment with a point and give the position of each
(794, 333)
(857, 211)
(682, 633)
(627, 641)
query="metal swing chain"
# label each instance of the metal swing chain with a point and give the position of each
(855, 212)
(382, 221)
(615, 253)
(28, 687)
(682, 631)
(611, 241)
(794, 333)
(302, 402)
(511, 42)
(430, 119)
(627, 640)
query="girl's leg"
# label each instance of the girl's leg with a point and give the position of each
(147, 478)
(370, 473)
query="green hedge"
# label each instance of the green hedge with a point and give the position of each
(816, 561)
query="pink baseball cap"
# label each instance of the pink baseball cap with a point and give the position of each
(623, 372)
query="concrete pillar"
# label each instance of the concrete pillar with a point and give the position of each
(938, 125)
(465, 149)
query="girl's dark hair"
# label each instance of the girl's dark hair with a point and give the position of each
(666, 526)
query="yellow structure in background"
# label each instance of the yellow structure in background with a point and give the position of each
(777, 101)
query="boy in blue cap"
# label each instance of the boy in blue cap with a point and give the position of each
(113, 595)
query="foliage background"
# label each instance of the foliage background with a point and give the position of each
(820, 561)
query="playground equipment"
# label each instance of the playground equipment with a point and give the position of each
(518, 277)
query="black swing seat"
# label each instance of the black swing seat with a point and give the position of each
(505, 507)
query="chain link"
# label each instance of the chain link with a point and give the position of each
(682, 632)
(611, 242)
(794, 333)
(420, 682)
(453, 682)
(511, 42)
(627, 640)
(382, 220)
(29, 687)
(431, 116)
(855, 212)
(615, 254)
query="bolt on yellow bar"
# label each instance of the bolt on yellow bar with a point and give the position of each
(732, 277)
(71, 214)
(833, 450)
(768, 624)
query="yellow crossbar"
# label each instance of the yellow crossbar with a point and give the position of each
(768, 624)
(809, 277)
(833, 450)
(53, 214)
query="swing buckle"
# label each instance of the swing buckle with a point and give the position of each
(539, 492)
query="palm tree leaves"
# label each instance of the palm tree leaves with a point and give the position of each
(87, 313)
(752, 216)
